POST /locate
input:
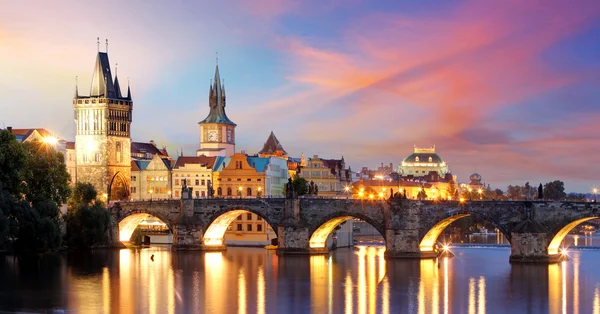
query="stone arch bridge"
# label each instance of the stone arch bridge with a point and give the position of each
(409, 227)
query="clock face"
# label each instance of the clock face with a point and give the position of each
(212, 136)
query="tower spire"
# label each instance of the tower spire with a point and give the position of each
(107, 45)
(128, 90)
(76, 88)
(98, 43)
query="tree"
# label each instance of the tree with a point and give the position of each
(498, 193)
(87, 218)
(554, 190)
(576, 197)
(33, 184)
(301, 185)
(540, 192)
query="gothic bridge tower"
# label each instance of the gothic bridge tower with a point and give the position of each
(103, 138)
(217, 132)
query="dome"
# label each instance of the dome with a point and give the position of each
(423, 157)
(475, 177)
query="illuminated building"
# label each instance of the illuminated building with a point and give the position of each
(249, 230)
(273, 148)
(244, 176)
(217, 132)
(103, 138)
(330, 175)
(150, 172)
(422, 162)
(196, 172)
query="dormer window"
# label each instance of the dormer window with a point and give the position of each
(417, 158)
(430, 159)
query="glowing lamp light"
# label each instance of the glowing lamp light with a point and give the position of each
(361, 194)
(347, 188)
(445, 247)
(239, 188)
(51, 140)
(380, 194)
(371, 196)
(259, 188)
(563, 251)
(462, 200)
(213, 242)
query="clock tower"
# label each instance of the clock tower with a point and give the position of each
(217, 132)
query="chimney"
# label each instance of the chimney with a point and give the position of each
(152, 142)
(9, 128)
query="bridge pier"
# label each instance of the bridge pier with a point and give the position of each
(532, 247)
(187, 237)
(294, 240)
(405, 244)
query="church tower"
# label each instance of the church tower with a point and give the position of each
(103, 138)
(217, 132)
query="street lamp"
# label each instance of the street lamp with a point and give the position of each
(470, 196)
(595, 190)
(480, 191)
(240, 191)
(151, 194)
(371, 196)
(105, 195)
(347, 189)
(169, 192)
(259, 191)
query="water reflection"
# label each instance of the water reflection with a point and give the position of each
(244, 280)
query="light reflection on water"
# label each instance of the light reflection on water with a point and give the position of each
(246, 280)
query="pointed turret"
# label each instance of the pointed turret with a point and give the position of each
(102, 82)
(216, 102)
(76, 89)
(117, 88)
(128, 91)
(273, 146)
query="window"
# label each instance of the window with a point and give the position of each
(239, 227)
(133, 189)
(176, 193)
(98, 156)
(248, 179)
(248, 216)
(228, 179)
(203, 193)
(417, 158)
(430, 159)
(176, 181)
(203, 182)
(258, 218)
(239, 217)
(219, 191)
(197, 182)
(228, 191)
(134, 178)
(249, 191)
(249, 227)
(239, 179)
(259, 228)
(119, 150)
(197, 193)
(258, 180)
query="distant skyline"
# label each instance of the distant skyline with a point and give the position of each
(508, 89)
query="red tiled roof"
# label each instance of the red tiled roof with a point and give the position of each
(204, 160)
(134, 166)
(70, 145)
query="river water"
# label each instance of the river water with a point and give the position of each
(254, 280)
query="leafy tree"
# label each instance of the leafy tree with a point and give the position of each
(498, 193)
(13, 160)
(300, 185)
(87, 218)
(46, 175)
(540, 192)
(555, 190)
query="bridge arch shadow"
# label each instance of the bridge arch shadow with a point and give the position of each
(129, 223)
(559, 236)
(319, 235)
(429, 240)
(218, 226)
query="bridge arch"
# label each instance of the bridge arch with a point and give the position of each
(129, 223)
(214, 235)
(428, 241)
(559, 236)
(320, 233)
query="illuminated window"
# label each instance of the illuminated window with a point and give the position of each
(430, 159)
(417, 158)
(177, 193)
(98, 157)
(176, 181)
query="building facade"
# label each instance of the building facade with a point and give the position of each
(329, 175)
(103, 140)
(217, 131)
(421, 162)
(195, 172)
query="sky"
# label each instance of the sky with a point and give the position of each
(508, 89)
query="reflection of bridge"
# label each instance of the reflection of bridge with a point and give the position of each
(410, 228)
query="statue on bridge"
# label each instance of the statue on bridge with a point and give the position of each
(527, 191)
(211, 191)
(186, 192)
(290, 192)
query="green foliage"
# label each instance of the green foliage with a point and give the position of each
(300, 185)
(554, 190)
(87, 219)
(576, 197)
(46, 174)
(33, 184)
(137, 237)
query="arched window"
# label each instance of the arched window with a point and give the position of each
(417, 158)
(219, 191)
(118, 151)
(249, 191)
(228, 191)
(430, 159)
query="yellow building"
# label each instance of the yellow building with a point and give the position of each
(249, 230)
(195, 172)
(150, 172)
(329, 175)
